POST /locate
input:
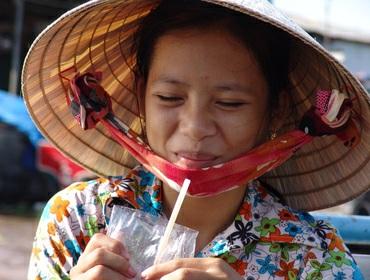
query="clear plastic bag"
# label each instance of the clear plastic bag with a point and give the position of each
(141, 233)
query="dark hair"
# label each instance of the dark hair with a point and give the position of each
(269, 45)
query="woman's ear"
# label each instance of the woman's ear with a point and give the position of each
(281, 113)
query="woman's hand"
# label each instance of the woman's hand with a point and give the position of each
(192, 269)
(103, 258)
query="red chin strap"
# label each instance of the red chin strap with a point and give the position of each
(90, 103)
(215, 179)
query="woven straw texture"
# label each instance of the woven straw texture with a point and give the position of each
(98, 36)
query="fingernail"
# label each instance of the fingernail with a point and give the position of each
(131, 272)
(144, 274)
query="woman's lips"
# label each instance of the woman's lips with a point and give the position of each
(195, 160)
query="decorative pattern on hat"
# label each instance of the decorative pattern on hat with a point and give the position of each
(331, 115)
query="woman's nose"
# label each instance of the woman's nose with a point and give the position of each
(197, 122)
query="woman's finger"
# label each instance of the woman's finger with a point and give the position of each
(104, 252)
(102, 273)
(100, 240)
(103, 257)
(215, 266)
(188, 274)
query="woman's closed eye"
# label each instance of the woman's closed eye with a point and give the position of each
(169, 98)
(231, 103)
(175, 99)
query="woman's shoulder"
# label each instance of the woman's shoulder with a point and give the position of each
(101, 188)
(83, 193)
(72, 216)
(96, 197)
(295, 226)
(299, 236)
(85, 206)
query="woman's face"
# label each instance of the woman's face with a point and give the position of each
(205, 98)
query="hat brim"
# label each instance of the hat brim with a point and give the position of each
(98, 35)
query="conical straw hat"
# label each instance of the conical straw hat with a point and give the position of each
(98, 35)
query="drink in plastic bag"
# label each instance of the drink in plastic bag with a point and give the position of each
(141, 233)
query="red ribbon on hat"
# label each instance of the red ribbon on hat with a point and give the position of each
(88, 101)
(331, 114)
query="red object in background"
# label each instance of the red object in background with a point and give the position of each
(50, 160)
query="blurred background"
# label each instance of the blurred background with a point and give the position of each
(32, 170)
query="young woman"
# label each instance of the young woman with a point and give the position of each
(221, 93)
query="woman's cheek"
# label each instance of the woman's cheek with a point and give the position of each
(242, 131)
(160, 123)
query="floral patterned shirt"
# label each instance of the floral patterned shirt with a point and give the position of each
(267, 240)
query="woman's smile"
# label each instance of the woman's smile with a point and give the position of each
(195, 159)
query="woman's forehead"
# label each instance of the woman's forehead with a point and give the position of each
(206, 55)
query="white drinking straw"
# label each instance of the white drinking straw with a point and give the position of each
(175, 212)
